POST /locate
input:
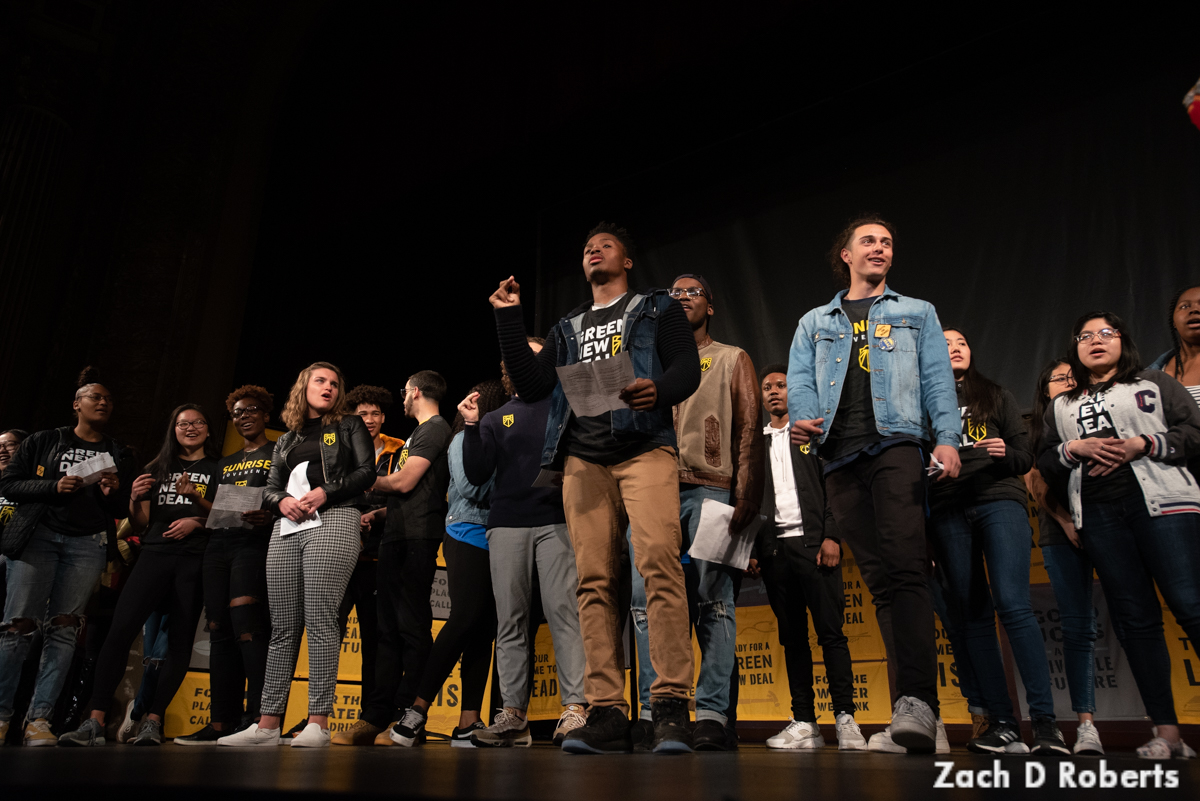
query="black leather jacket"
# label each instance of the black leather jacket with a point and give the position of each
(347, 457)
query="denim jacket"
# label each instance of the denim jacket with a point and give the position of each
(912, 383)
(468, 503)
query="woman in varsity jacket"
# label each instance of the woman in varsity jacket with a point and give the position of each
(1121, 439)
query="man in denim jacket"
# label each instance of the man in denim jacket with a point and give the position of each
(869, 379)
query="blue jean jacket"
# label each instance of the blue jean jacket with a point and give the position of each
(912, 383)
(468, 503)
(640, 340)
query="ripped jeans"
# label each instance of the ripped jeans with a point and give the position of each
(710, 593)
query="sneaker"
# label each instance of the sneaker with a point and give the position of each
(409, 729)
(1087, 739)
(129, 726)
(313, 736)
(252, 737)
(671, 732)
(38, 732)
(1047, 739)
(882, 742)
(385, 737)
(849, 736)
(206, 736)
(606, 732)
(709, 735)
(1162, 748)
(461, 738)
(89, 733)
(979, 724)
(149, 733)
(573, 716)
(508, 730)
(914, 725)
(1000, 737)
(361, 733)
(798, 735)
(641, 734)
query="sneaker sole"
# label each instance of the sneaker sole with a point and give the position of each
(914, 740)
(1051, 750)
(1090, 752)
(40, 742)
(406, 742)
(524, 741)
(178, 741)
(260, 744)
(580, 747)
(144, 744)
(853, 746)
(461, 744)
(672, 748)
(800, 745)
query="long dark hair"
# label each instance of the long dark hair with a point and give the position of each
(981, 395)
(491, 397)
(1128, 366)
(1176, 344)
(163, 464)
(1041, 402)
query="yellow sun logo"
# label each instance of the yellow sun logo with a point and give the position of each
(508, 420)
(705, 363)
(331, 438)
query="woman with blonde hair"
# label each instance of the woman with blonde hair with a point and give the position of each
(322, 464)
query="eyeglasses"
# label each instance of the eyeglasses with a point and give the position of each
(1105, 334)
(9, 446)
(1063, 379)
(691, 292)
(238, 414)
(184, 425)
(96, 397)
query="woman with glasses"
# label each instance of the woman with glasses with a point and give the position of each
(1069, 569)
(978, 519)
(56, 544)
(1118, 440)
(169, 503)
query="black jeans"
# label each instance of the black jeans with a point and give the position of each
(160, 579)
(406, 570)
(235, 567)
(360, 596)
(795, 586)
(471, 628)
(878, 503)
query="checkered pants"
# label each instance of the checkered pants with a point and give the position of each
(307, 574)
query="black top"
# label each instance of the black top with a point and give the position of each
(309, 450)
(7, 508)
(82, 515)
(247, 469)
(854, 425)
(420, 514)
(1094, 420)
(166, 506)
(509, 442)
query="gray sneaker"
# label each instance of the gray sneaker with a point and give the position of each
(149, 733)
(914, 725)
(89, 733)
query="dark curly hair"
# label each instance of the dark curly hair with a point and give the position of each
(365, 393)
(491, 397)
(618, 233)
(841, 271)
(774, 367)
(251, 391)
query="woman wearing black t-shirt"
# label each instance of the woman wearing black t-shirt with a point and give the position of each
(169, 502)
(308, 566)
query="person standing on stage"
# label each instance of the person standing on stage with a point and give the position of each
(1180, 362)
(720, 457)
(867, 375)
(799, 556)
(618, 467)
(308, 568)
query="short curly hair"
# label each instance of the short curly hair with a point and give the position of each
(260, 394)
(618, 233)
(841, 271)
(365, 393)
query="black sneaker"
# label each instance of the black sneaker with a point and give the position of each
(606, 732)
(1047, 739)
(1000, 737)
(461, 738)
(89, 733)
(709, 735)
(206, 736)
(671, 726)
(642, 735)
(410, 730)
(149, 733)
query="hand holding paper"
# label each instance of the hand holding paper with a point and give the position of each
(593, 388)
(90, 470)
(230, 505)
(298, 488)
(713, 542)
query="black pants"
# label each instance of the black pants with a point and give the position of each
(471, 628)
(158, 577)
(360, 596)
(406, 570)
(878, 503)
(795, 586)
(235, 566)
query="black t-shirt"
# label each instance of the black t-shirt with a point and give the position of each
(167, 506)
(854, 425)
(590, 438)
(246, 469)
(7, 510)
(420, 514)
(308, 449)
(1094, 420)
(981, 478)
(82, 515)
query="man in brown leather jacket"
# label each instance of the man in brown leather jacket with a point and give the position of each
(720, 457)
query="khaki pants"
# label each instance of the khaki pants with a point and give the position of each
(597, 500)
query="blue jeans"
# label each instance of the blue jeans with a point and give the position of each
(154, 653)
(711, 608)
(1132, 552)
(998, 532)
(49, 584)
(964, 671)
(1070, 572)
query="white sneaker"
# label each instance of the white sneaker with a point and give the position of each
(798, 736)
(849, 736)
(1161, 748)
(252, 737)
(882, 741)
(313, 736)
(1087, 739)
(128, 729)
